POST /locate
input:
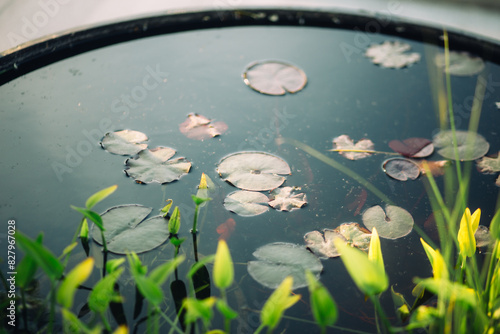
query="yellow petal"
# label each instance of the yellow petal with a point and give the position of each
(466, 239)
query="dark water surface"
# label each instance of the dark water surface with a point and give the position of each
(53, 118)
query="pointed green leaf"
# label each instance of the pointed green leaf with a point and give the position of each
(323, 306)
(75, 277)
(149, 289)
(84, 230)
(375, 251)
(99, 196)
(68, 249)
(198, 309)
(226, 310)
(103, 293)
(450, 291)
(26, 269)
(277, 303)
(167, 207)
(199, 200)
(200, 264)
(174, 223)
(91, 215)
(223, 266)
(400, 305)
(41, 255)
(370, 278)
(439, 268)
(112, 265)
(160, 274)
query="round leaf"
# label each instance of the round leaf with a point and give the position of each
(274, 77)
(154, 166)
(286, 199)
(394, 223)
(401, 169)
(256, 171)
(246, 203)
(125, 142)
(461, 63)
(392, 54)
(470, 145)
(322, 244)
(413, 147)
(278, 260)
(127, 231)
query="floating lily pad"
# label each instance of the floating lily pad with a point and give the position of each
(489, 165)
(413, 147)
(287, 199)
(394, 223)
(246, 203)
(274, 77)
(482, 235)
(255, 171)
(127, 231)
(344, 142)
(461, 63)
(392, 54)
(401, 169)
(154, 166)
(125, 142)
(279, 260)
(200, 128)
(470, 145)
(323, 244)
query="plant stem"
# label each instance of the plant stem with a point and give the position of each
(195, 219)
(52, 307)
(378, 308)
(261, 327)
(227, 321)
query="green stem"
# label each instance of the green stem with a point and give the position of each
(105, 322)
(329, 161)
(227, 321)
(52, 307)
(259, 329)
(195, 219)
(380, 311)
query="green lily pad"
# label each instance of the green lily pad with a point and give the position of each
(394, 223)
(279, 260)
(125, 142)
(246, 203)
(346, 147)
(127, 231)
(274, 77)
(154, 166)
(287, 199)
(461, 63)
(401, 169)
(470, 145)
(323, 244)
(392, 54)
(255, 171)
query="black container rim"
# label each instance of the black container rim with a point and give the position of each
(21, 60)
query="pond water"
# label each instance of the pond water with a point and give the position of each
(53, 119)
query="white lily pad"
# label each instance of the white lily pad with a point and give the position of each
(154, 166)
(274, 77)
(489, 165)
(393, 223)
(323, 244)
(246, 203)
(470, 145)
(255, 171)
(287, 199)
(200, 127)
(127, 231)
(392, 54)
(278, 260)
(461, 63)
(401, 169)
(345, 145)
(125, 142)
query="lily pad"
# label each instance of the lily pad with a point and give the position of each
(483, 237)
(125, 142)
(279, 260)
(344, 142)
(461, 63)
(323, 244)
(255, 171)
(401, 169)
(200, 127)
(394, 223)
(154, 166)
(274, 77)
(489, 165)
(246, 203)
(392, 54)
(127, 231)
(287, 199)
(413, 147)
(470, 145)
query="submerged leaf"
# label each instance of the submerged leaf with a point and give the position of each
(470, 145)
(200, 128)
(256, 171)
(394, 223)
(274, 77)
(125, 142)
(401, 169)
(392, 54)
(246, 203)
(279, 260)
(489, 165)
(153, 166)
(286, 199)
(461, 63)
(127, 231)
(343, 142)
(483, 237)
(413, 147)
